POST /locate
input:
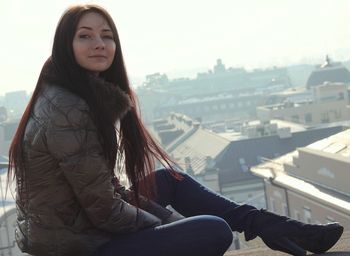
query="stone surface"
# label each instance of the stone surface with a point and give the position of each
(342, 248)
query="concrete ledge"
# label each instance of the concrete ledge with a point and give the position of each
(342, 248)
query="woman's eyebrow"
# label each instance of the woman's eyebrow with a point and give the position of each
(84, 27)
(89, 28)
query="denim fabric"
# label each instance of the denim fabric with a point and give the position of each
(206, 230)
(203, 235)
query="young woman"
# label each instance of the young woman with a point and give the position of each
(80, 124)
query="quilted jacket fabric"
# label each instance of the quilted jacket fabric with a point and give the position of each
(70, 206)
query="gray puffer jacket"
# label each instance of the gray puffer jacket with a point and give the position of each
(70, 206)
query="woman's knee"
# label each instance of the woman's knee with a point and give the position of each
(215, 228)
(168, 176)
(219, 228)
(161, 171)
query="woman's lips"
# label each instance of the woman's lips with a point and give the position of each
(98, 56)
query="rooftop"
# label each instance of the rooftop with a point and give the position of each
(196, 152)
(329, 72)
(240, 155)
(342, 248)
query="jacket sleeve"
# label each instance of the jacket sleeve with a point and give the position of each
(72, 140)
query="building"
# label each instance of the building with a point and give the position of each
(222, 162)
(15, 103)
(324, 99)
(328, 72)
(329, 103)
(212, 95)
(7, 213)
(215, 107)
(311, 183)
(235, 179)
(219, 79)
(196, 150)
(7, 131)
(3, 114)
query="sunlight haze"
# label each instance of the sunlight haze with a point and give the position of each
(182, 37)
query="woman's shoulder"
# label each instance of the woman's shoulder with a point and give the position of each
(63, 99)
(61, 107)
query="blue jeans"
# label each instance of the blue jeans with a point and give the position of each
(206, 230)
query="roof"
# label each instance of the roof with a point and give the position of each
(338, 144)
(258, 248)
(198, 146)
(325, 162)
(275, 170)
(234, 162)
(278, 170)
(294, 127)
(328, 74)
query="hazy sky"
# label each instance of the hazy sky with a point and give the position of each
(170, 36)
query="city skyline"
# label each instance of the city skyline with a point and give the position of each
(182, 38)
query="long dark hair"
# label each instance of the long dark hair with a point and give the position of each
(139, 149)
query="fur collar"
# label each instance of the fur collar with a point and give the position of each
(111, 103)
(110, 97)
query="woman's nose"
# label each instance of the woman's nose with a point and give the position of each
(99, 43)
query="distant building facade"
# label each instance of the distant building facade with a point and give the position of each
(332, 72)
(234, 164)
(324, 99)
(194, 149)
(311, 184)
(223, 164)
(330, 103)
(8, 245)
(211, 108)
(220, 93)
(7, 131)
(15, 103)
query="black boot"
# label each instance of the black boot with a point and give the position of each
(291, 236)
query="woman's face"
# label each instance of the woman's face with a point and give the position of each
(93, 43)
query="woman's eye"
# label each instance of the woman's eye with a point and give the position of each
(108, 37)
(83, 36)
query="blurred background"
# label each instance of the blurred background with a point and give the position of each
(249, 97)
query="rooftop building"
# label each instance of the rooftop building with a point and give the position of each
(329, 103)
(311, 183)
(220, 93)
(223, 162)
(329, 72)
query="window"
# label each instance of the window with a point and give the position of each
(337, 113)
(295, 118)
(259, 159)
(307, 214)
(285, 209)
(325, 117)
(272, 205)
(308, 118)
(244, 167)
(297, 215)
